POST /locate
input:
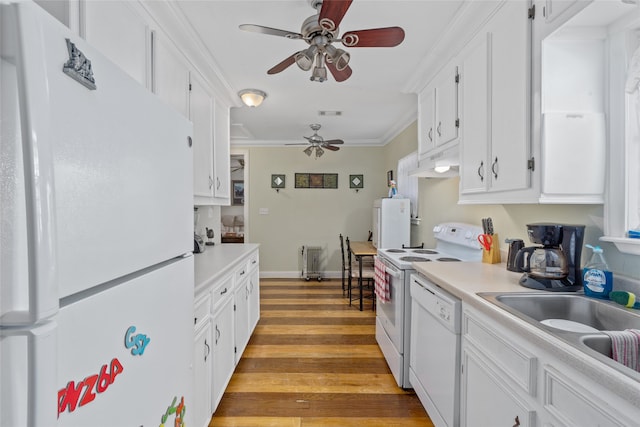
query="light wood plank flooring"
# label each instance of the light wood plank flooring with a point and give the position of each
(313, 361)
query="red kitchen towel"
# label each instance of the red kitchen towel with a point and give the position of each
(381, 279)
(625, 347)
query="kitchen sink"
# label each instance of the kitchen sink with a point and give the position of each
(599, 314)
(537, 308)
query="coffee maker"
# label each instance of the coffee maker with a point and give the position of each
(554, 266)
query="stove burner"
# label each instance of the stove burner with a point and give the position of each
(395, 251)
(425, 251)
(448, 259)
(414, 258)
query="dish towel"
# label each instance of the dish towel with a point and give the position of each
(625, 347)
(381, 278)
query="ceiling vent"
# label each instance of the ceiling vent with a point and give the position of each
(330, 113)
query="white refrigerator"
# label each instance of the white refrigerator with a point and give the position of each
(391, 223)
(96, 270)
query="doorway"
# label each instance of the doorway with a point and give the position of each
(233, 218)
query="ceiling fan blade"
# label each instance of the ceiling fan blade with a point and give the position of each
(283, 65)
(330, 147)
(332, 12)
(270, 31)
(375, 37)
(297, 143)
(334, 141)
(339, 75)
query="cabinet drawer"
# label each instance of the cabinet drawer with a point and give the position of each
(242, 272)
(222, 290)
(201, 310)
(253, 261)
(516, 363)
(574, 406)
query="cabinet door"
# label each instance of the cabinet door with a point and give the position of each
(171, 75)
(201, 114)
(254, 299)
(446, 94)
(485, 400)
(121, 34)
(426, 106)
(475, 113)
(223, 354)
(241, 301)
(221, 157)
(510, 34)
(202, 375)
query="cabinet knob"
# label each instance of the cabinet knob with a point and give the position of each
(210, 182)
(438, 129)
(481, 171)
(218, 183)
(430, 134)
(189, 141)
(207, 350)
(217, 334)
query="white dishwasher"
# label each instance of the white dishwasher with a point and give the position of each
(435, 350)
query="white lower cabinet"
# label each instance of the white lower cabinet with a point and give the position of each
(486, 399)
(223, 351)
(241, 315)
(202, 374)
(224, 318)
(507, 380)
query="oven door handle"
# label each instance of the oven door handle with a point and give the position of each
(392, 272)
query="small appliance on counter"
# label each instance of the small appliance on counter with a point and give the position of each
(210, 236)
(198, 244)
(554, 266)
(514, 247)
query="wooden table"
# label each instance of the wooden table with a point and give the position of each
(360, 250)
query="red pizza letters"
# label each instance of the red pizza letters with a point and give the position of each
(73, 396)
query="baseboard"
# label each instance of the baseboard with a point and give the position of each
(297, 275)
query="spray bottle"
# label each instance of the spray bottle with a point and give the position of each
(598, 280)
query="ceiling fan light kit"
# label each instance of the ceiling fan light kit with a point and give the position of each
(319, 31)
(252, 97)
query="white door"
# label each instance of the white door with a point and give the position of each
(125, 353)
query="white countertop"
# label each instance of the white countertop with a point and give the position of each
(218, 260)
(465, 280)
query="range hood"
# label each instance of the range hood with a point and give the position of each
(441, 164)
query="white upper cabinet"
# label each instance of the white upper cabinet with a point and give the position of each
(120, 32)
(201, 110)
(171, 74)
(221, 154)
(438, 112)
(496, 148)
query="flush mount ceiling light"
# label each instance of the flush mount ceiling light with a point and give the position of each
(252, 97)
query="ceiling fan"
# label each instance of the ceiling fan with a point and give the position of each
(320, 31)
(318, 143)
(239, 167)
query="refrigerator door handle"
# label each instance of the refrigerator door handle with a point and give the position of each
(34, 102)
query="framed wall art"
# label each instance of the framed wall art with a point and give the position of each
(316, 180)
(238, 193)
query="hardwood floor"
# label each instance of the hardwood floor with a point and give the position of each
(313, 361)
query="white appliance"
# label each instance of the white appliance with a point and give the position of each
(435, 350)
(96, 270)
(455, 242)
(391, 223)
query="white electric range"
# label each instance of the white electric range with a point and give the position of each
(455, 242)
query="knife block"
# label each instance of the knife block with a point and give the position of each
(492, 256)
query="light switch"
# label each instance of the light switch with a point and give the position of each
(264, 211)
